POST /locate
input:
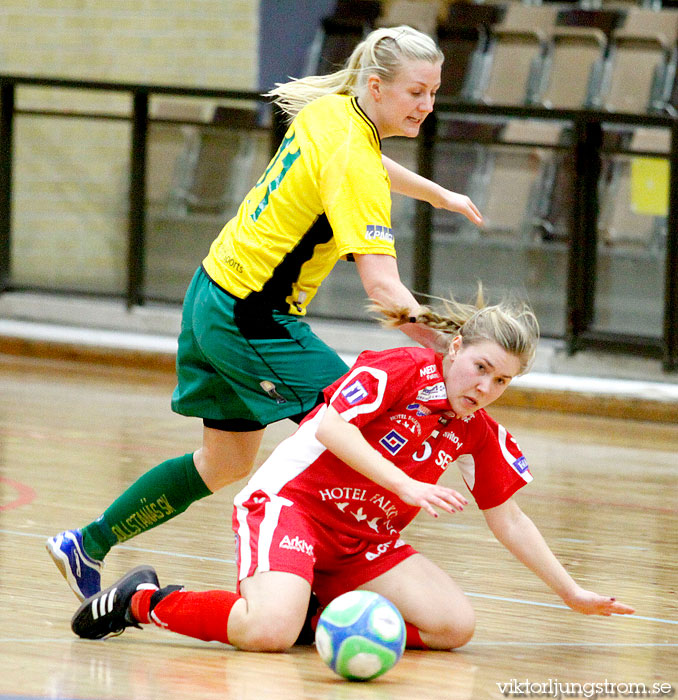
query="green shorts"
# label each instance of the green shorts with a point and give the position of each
(239, 368)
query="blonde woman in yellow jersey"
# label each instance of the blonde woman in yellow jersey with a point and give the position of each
(245, 356)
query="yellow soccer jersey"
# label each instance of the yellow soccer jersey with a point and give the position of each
(324, 195)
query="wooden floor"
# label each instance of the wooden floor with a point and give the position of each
(605, 496)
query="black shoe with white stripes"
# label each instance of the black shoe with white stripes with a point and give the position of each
(107, 612)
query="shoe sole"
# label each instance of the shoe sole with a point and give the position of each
(62, 563)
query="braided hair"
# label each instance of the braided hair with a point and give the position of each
(511, 323)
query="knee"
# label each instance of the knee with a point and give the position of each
(217, 469)
(463, 631)
(272, 636)
(454, 631)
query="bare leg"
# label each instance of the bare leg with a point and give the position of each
(226, 457)
(271, 612)
(429, 599)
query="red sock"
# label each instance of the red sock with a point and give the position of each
(140, 606)
(200, 615)
(414, 637)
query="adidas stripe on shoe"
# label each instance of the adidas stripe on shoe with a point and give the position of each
(107, 612)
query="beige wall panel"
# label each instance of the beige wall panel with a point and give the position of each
(70, 187)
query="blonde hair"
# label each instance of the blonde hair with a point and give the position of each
(382, 52)
(511, 324)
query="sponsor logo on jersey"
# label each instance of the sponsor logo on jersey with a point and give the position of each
(408, 422)
(373, 232)
(393, 442)
(518, 462)
(383, 548)
(389, 509)
(354, 392)
(296, 544)
(428, 371)
(453, 437)
(521, 465)
(233, 264)
(418, 409)
(343, 493)
(426, 451)
(443, 459)
(433, 392)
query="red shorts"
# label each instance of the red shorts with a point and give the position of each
(272, 534)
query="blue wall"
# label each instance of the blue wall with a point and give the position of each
(286, 31)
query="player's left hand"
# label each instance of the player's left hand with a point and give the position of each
(590, 603)
(460, 203)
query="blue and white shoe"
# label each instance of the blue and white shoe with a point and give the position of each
(81, 571)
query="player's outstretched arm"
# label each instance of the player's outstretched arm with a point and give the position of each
(411, 184)
(381, 281)
(347, 442)
(522, 538)
(590, 603)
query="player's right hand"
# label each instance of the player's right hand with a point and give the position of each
(431, 496)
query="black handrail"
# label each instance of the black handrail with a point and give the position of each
(139, 119)
(587, 149)
(6, 153)
(136, 250)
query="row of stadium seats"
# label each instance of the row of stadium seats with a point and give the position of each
(623, 60)
(518, 171)
(620, 59)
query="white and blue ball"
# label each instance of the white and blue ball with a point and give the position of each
(360, 635)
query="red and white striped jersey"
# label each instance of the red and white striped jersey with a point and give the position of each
(399, 401)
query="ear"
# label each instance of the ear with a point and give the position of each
(455, 344)
(374, 87)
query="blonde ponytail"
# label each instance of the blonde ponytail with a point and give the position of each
(382, 53)
(511, 323)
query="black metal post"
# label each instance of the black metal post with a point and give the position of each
(6, 156)
(583, 233)
(137, 201)
(671, 273)
(591, 177)
(423, 224)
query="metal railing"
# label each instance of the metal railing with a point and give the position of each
(586, 148)
(587, 127)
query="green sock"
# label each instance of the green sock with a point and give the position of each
(156, 497)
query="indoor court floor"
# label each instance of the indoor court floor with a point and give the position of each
(604, 495)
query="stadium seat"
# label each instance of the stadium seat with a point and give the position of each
(635, 198)
(574, 66)
(170, 144)
(512, 176)
(512, 66)
(463, 36)
(641, 62)
(420, 14)
(339, 33)
(460, 164)
(572, 79)
(521, 16)
(333, 43)
(218, 167)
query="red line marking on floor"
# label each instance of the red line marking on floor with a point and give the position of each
(92, 442)
(25, 495)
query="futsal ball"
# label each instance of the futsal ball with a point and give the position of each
(360, 635)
